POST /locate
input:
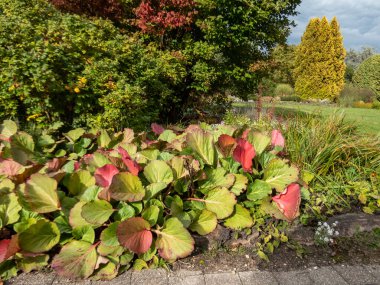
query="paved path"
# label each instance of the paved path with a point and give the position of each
(334, 275)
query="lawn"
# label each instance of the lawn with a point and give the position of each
(367, 120)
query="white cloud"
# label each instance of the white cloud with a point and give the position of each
(359, 20)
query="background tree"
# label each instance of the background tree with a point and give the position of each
(354, 58)
(320, 61)
(367, 74)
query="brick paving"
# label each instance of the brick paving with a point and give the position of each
(334, 275)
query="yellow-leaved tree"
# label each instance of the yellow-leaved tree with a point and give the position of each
(319, 68)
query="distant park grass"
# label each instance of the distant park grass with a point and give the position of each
(367, 120)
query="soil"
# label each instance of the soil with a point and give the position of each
(363, 248)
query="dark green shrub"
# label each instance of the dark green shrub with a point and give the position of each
(368, 74)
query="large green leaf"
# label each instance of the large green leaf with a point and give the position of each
(167, 136)
(221, 202)
(104, 139)
(126, 187)
(216, 178)
(75, 216)
(178, 166)
(278, 174)
(106, 272)
(39, 237)
(74, 135)
(85, 233)
(97, 212)
(108, 235)
(79, 181)
(258, 190)
(240, 184)
(41, 193)
(157, 171)
(9, 209)
(174, 241)
(203, 144)
(33, 263)
(7, 129)
(205, 223)
(153, 189)
(259, 141)
(6, 186)
(150, 214)
(22, 148)
(77, 259)
(240, 219)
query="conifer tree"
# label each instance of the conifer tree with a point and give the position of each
(319, 59)
(339, 60)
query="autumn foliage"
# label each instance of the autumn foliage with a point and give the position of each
(159, 16)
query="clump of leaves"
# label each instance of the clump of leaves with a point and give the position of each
(97, 203)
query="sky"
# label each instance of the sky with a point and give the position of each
(359, 20)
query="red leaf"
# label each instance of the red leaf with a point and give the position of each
(10, 167)
(226, 144)
(244, 153)
(244, 135)
(104, 175)
(55, 164)
(123, 152)
(135, 235)
(8, 248)
(289, 201)
(277, 138)
(76, 165)
(157, 129)
(132, 165)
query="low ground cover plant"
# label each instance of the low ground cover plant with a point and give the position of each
(93, 204)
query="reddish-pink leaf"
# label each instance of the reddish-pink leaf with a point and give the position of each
(123, 152)
(10, 167)
(157, 129)
(135, 235)
(87, 158)
(277, 139)
(244, 135)
(132, 166)
(104, 175)
(8, 248)
(289, 201)
(226, 144)
(244, 153)
(55, 164)
(76, 165)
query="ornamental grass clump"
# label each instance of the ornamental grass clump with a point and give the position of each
(94, 204)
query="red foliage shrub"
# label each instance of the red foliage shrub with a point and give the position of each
(157, 16)
(111, 9)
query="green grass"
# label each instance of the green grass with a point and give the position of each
(367, 120)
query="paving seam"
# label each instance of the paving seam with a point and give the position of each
(347, 281)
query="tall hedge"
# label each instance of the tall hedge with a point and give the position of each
(320, 67)
(368, 74)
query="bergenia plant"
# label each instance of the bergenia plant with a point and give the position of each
(97, 203)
